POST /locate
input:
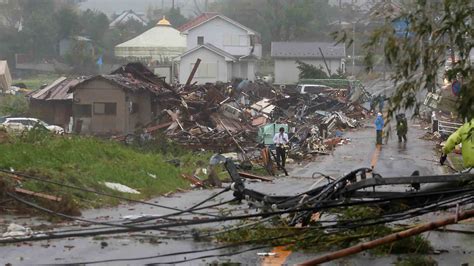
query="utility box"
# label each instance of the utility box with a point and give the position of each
(266, 132)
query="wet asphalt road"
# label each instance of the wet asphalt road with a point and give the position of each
(394, 160)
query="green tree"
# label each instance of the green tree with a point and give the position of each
(39, 35)
(175, 17)
(15, 105)
(81, 58)
(437, 31)
(95, 25)
(280, 20)
(67, 21)
(308, 71)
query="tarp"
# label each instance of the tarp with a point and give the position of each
(5, 77)
(266, 132)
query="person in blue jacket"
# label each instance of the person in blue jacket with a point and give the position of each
(379, 123)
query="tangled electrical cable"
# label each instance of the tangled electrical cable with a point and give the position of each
(155, 226)
(320, 200)
(254, 242)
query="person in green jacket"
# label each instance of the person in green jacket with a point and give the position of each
(464, 135)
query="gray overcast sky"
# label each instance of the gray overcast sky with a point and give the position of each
(117, 6)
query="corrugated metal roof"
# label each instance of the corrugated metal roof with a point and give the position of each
(128, 82)
(307, 50)
(133, 77)
(58, 90)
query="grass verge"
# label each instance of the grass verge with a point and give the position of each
(89, 162)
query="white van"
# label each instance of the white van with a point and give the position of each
(311, 88)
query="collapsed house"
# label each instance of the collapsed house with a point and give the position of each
(224, 118)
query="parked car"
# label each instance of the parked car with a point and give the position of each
(311, 88)
(18, 124)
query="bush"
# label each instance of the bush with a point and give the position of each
(14, 105)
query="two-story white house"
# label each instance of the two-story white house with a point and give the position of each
(227, 49)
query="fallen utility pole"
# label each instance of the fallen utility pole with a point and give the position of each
(390, 238)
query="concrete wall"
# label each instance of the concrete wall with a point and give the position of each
(217, 32)
(286, 71)
(206, 56)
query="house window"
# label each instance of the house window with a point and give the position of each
(200, 40)
(206, 70)
(236, 40)
(82, 110)
(105, 108)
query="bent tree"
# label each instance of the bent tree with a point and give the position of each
(434, 32)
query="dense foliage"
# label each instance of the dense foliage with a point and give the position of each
(435, 45)
(280, 20)
(308, 71)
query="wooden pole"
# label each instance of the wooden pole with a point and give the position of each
(193, 72)
(325, 63)
(390, 238)
(235, 141)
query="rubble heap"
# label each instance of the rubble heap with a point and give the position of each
(223, 118)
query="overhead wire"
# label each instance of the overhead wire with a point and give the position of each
(233, 245)
(204, 250)
(180, 224)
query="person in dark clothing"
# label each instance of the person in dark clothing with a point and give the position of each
(382, 99)
(402, 127)
(281, 140)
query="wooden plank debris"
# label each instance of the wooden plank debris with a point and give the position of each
(194, 180)
(252, 176)
(37, 194)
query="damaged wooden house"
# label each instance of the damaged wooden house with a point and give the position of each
(119, 103)
(53, 103)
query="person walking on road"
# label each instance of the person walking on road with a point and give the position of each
(379, 123)
(281, 140)
(402, 127)
(382, 99)
(464, 135)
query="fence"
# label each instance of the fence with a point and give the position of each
(445, 127)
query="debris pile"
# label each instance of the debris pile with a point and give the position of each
(225, 118)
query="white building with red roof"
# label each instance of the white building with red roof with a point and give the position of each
(227, 49)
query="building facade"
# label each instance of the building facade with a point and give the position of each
(286, 55)
(228, 49)
(117, 104)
